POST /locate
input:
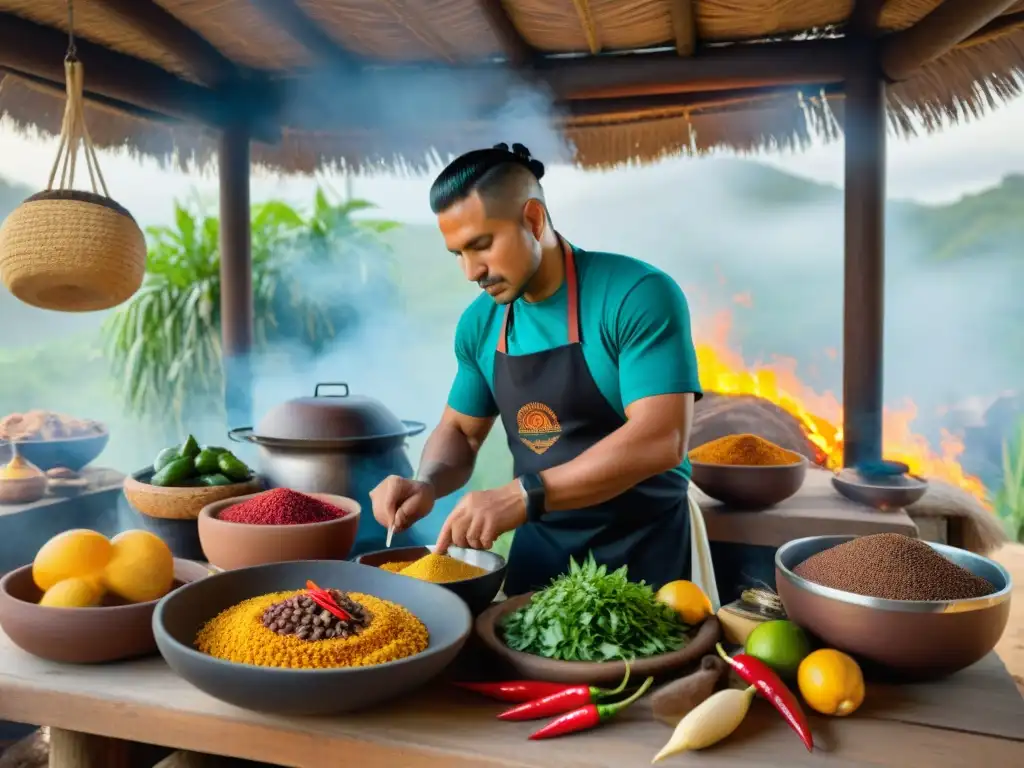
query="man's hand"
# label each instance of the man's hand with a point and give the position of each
(402, 502)
(480, 517)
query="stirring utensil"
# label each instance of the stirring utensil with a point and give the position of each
(391, 532)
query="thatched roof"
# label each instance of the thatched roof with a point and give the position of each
(378, 83)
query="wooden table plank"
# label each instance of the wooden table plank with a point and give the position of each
(815, 510)
(439, 726)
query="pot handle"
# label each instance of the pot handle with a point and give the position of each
(240, 434)
(316, 389)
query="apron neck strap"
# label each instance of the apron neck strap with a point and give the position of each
(573, 302)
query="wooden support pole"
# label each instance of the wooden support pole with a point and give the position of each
(684, 26)
(70, 749)
(952, 22)
(236, 310)
(864, 279)
(517, 51)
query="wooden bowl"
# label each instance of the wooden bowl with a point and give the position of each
(81, 635)
(22, 490)
(242, 545)
(180, 503)
(530, 667)
(749, 488)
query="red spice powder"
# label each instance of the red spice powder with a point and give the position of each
(281, 506)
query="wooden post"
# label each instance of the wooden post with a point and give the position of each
(236, 318)
(69, 749)
(863, 295)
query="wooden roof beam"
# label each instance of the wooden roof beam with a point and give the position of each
(1002, 26)
(207, 64)
(517, 51)
(903, 53)
(307, 33)
(39, 51)
(684, 25)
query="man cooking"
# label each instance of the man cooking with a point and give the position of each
(588, 359)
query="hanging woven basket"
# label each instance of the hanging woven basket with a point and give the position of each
(66, 249)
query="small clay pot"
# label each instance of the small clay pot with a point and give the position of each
(230, 545)
(22, 490)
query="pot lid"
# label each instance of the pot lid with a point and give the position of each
(329, 416)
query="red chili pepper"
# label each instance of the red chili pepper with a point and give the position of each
(562, 701)
(515, 691)
(760, 675)
(590, 716)
(326, 600)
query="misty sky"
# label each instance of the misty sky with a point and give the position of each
(936, 168)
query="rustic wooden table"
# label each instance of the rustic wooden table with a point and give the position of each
(975, 718)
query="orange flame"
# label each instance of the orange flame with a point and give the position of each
(724, 371)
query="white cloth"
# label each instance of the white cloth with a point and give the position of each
(702, 570)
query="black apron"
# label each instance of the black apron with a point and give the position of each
(553, 411)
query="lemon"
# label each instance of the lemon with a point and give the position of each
(686, 599)
(780, 644)
(141, 567)
(78, 552)
(73, 593)
(831, 682)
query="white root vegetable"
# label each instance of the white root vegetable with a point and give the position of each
(710, 722)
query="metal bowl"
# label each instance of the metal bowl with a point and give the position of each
(180, 616)
(478, 593)
(749, 487)
(880, 493)
(918, 639)
(74, 453)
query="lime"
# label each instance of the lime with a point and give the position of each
(782, 645)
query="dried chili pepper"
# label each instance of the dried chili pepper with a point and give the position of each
(590, 716)
(761, 676)
(562, 701)
(326, 600)
(515, 691)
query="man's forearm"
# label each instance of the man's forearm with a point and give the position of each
(448, 460)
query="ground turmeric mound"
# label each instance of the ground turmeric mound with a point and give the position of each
(744, 450)
(441, 569)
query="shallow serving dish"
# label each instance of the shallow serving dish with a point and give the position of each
(73, 453)
(240, 545)
(528, 666)
(179, 503)
(179, 617)
(81, 635)
(753, 487)
(478, 593)
(913, 638)
(881, 493)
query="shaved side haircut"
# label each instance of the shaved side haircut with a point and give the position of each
(505, 179)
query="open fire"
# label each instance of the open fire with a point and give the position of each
(724, 371)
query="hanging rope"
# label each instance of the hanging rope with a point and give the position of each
(73, 131)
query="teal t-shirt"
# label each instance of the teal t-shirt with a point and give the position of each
(634, 328)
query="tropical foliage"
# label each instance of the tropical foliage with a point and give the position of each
(1009, 499)
(164, 344)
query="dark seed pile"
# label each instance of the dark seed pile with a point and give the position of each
(301, 617)
(894, 567)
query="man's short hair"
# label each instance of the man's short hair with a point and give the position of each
(483, 171)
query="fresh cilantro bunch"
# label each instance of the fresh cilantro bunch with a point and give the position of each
(589, 614)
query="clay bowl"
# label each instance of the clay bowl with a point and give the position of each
(81, 635)
(749, 487)
(179, 503)
(180, 616)
(73, 453)
(530, 667)
(478, 593)
(22, 490)
(913, 639)
(880, 493)
(240, 545)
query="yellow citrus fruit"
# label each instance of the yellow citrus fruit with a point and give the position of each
(141, 567)
(831, 682)
(686, 599)
(78, 552)
(73, 593)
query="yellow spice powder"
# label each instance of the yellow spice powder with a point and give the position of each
(396, 567)
(238, 635)
(441, 569)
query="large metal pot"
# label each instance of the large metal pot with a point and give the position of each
(333, 443)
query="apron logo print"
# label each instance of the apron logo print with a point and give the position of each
(538, 427)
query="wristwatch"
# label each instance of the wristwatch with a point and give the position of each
(534, 495)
